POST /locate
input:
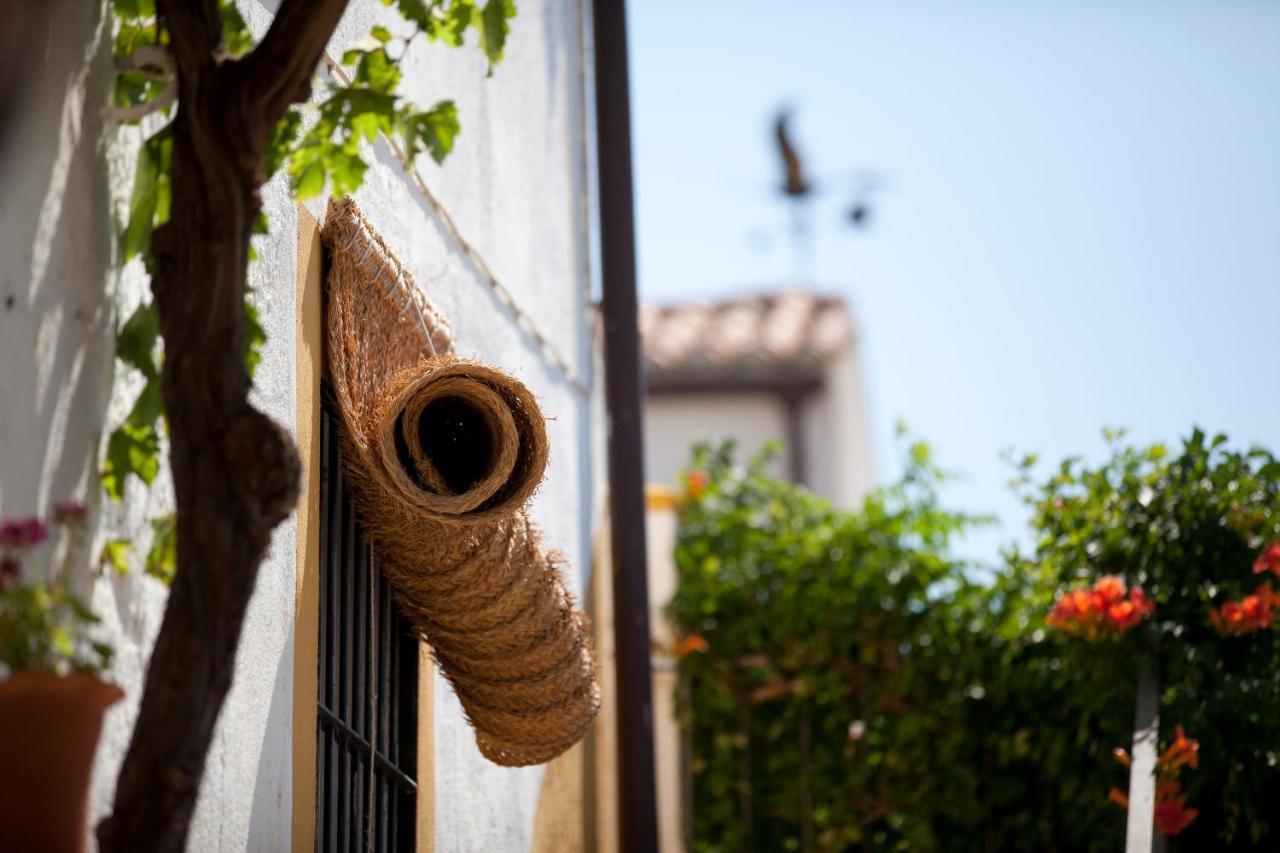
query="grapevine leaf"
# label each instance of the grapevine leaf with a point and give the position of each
(162, 558)
(415, 12)
(131, 449)
(281, 140)
(433, 131)
(136, 341)
(149, 407)
(142, 205)
(132, 9)
(115, 553)
(255, 336)
(493, 32)
(149, 203)
(310, 183)
(236, 36)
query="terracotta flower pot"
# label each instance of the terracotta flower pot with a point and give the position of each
(49, 727)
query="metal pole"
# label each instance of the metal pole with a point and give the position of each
(638, 813)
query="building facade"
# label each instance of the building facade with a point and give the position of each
(511, 204)
(780, 366)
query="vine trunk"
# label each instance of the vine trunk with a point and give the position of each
(235, 472)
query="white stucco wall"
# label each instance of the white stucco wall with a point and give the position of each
(848, 458)
(837, 458)
(515, 185)
(674, 423)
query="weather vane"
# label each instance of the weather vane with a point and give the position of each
(799, 190)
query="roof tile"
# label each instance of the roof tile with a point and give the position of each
(779, 337)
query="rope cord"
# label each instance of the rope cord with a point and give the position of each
(500, 290)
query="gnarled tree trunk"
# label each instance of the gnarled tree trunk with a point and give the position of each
(235, 472)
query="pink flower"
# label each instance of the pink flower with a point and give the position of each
(22, 533)
(70, 513)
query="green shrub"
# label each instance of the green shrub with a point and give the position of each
(855, 687)
(1187, 529)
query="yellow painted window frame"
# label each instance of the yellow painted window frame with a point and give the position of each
(309, 354)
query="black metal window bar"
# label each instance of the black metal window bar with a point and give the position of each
(366, 749)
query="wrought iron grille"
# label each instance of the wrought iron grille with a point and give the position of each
(366, 749)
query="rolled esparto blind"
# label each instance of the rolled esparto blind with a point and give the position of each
(442, 455)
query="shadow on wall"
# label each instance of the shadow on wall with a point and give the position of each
(55, 269)
(272, 801)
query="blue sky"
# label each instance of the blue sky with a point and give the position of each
(1081, 228)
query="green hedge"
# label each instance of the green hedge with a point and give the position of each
(860, 689)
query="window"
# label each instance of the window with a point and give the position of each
(366, 751)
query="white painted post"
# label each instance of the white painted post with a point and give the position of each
(1141, 835)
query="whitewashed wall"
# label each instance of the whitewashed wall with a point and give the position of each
(516, 186)
(674, 423)
(837, 457)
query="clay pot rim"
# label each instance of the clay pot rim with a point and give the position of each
(84, 686)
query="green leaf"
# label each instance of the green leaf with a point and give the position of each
(376, 71)
(115, 554)
(255, 336)
(128, 9)
(134, 450)
(260, 228)
(105, 654)
(381, 33)
(149, 202)
(142, 204)
(136, 340)
(460, 16)
(281, 141)
(493, 32)
(135, 87)
(236, 36)
(162, 558)
(433, 131)
(310, 183)
(346, 170)
(149, 407)
(415, 12)
(133, 34)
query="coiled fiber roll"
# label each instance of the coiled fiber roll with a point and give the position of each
(442, 455)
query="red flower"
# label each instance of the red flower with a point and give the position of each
(1086, 612)
(22, 532)
(1122, 616)
(1268, 560)
(1233, 616)
(1110, 589)
(697, 484)
(1254, 610)
(1252, 613)
(690, 644)
(1173, 816)
(1141, 602)
(1182, 751)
